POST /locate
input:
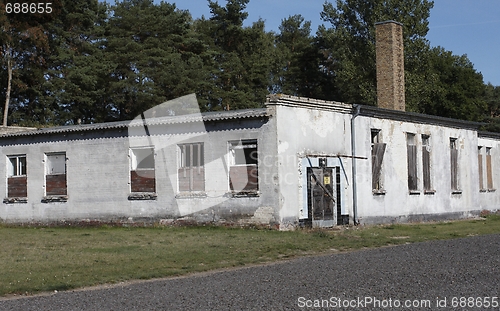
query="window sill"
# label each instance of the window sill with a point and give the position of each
(15, 200)
(379, 192)
(137, 196)
(243, 194)
(492, 190)
(483, 190)
(55, 198)
(456, 192)
(191, 195)
(414, 192)
(429, 191)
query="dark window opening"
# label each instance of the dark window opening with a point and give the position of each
(142, 170)
(489, 172)
(55, 174)
(411, 149)
(480, 168)
(454, 164)
(426, 162)
(378, 150)
(243, 171)
(17, 177)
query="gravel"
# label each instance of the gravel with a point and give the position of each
(418, 274)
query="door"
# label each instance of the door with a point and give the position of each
(321, 196)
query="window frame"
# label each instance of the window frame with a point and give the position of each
(134, 165)
(412, 163)
(489, 170)
(135, 168)
(16, 179)
(13, 170)
(191, 166)
(52, 195)
(480, 168)
(377, 161)
(454, 166)
(252, 166)
(245, 144)
(427, 164)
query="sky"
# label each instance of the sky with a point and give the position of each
(470, 27)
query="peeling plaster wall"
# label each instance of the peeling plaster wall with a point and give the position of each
(398, 204)
(307, 133)
(98, 176)
(98, 170)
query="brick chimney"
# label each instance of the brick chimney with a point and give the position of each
(390, 65)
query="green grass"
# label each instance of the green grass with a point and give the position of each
(37, 259)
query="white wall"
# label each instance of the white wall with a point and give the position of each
(398, 204)
(306, 133)
(98, 176)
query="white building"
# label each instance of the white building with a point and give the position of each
(297, 161)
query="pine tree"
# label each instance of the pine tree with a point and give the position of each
(242, 58)
(24, 50)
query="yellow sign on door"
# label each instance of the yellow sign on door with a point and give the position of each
(326, 180)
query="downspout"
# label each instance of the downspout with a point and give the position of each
(353, 152)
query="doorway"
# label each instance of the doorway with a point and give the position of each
(322, 196)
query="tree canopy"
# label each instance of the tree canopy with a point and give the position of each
(91, 61)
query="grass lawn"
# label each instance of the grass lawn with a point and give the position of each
(37, 259)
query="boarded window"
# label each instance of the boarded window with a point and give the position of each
(16, 177)
(243, 171)
(454, 164)
(489, 173)
(480, 167)
(411, 150)
(142, 170)
(191, 172)
(426, 162)
(378, 151)
(55, 174)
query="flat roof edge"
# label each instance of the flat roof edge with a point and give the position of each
(382, 113)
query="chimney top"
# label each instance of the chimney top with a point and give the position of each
(387, 22)
(390, 65)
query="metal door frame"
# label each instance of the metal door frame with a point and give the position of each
(327, 195)
(314, 162)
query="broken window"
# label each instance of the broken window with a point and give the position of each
(489, 173)
(480, 168)
(16, 177)
(142, 170)
(243, 171)
(55, 174)
(411, 150)
(454, 164)
(191, 171)
(378, 150)
(426, 162)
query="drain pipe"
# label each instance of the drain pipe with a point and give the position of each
(353, 152)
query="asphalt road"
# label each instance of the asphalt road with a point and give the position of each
(461, 274)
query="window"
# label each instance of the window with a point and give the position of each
(16, 177)
(55, 174)
(243, 171)
(142, 170)
(191, 172)
(378, 150)
(454, 164)
(426, 163)
(480, 168)
(489, 175)
(411, 150)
